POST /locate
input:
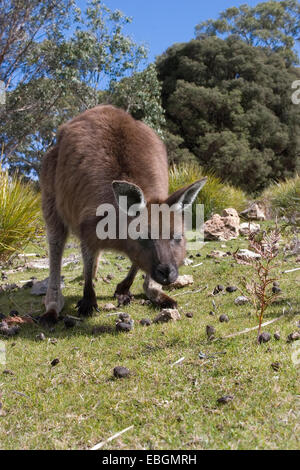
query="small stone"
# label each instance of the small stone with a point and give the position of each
(223, 318)
(167, 314)
(293, 336)
(8, 372)
(264, 337)
(231, 289)
(241, 300)
(123, 327)
(276, 290)
(225, 399)
(182, 281)
(212, 313)
(277, 335)
(41, 337)
(217, 289)
(210, 331)
(275, 366)
(53, 340)
(14, 313)
(125, 317)
(276, 283)
(55, 362)
(5, 330)
(145, 322)
(189, 314)
(108, 307)
(69, 322)
(121, 372)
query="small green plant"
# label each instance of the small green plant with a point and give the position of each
(260, 285)
(215, 195)
(20, 215)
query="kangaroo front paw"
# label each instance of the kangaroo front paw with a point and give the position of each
(49, 318)
(86, 307)
(165, 301)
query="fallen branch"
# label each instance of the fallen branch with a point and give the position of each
(101, 444)
(251, 329)
(191, 291)
(290, 270)
(178, 362)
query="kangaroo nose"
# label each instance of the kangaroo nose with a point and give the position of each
(166, 273)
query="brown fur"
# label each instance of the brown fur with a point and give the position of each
(94, 149)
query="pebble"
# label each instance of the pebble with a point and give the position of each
(277, 335)
(223, 318)
(225, 399)
(276, 290)
(125, 317)
(121, 372)
(189, 314)
(122, 326)
(231, 289)
(108, 307)
(293, 336)
(210, 331)
(8, 372)
(167, 314)
(145, 322)
(241, 300)
(55, 362)
(264, 337)
(41, 337)
(275, 366)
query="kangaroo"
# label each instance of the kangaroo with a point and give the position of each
(100, 155)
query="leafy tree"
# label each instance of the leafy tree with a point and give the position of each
(272, 24)
(229, 104)
(140, 95)
(51, 72)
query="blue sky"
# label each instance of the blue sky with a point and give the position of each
(161, 23)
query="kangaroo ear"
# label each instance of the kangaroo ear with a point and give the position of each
(184, 197)
(130, 198)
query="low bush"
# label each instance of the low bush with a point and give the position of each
(20, 214)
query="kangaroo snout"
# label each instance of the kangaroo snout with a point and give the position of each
(165, 273)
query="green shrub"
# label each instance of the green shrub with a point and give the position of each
(20, 214)
(215, 195)
(284, 199)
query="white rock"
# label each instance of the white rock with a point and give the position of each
(187, 262)
(247, 227)
(241, 300)
(182, 281)
(247, 254)
(167, 314)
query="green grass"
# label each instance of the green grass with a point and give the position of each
(77, 403)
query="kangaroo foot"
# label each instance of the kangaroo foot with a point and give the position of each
(49, 318)
(86, 307)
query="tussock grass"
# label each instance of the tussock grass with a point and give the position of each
(215, 195)
(284, 199)
(20, 214)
